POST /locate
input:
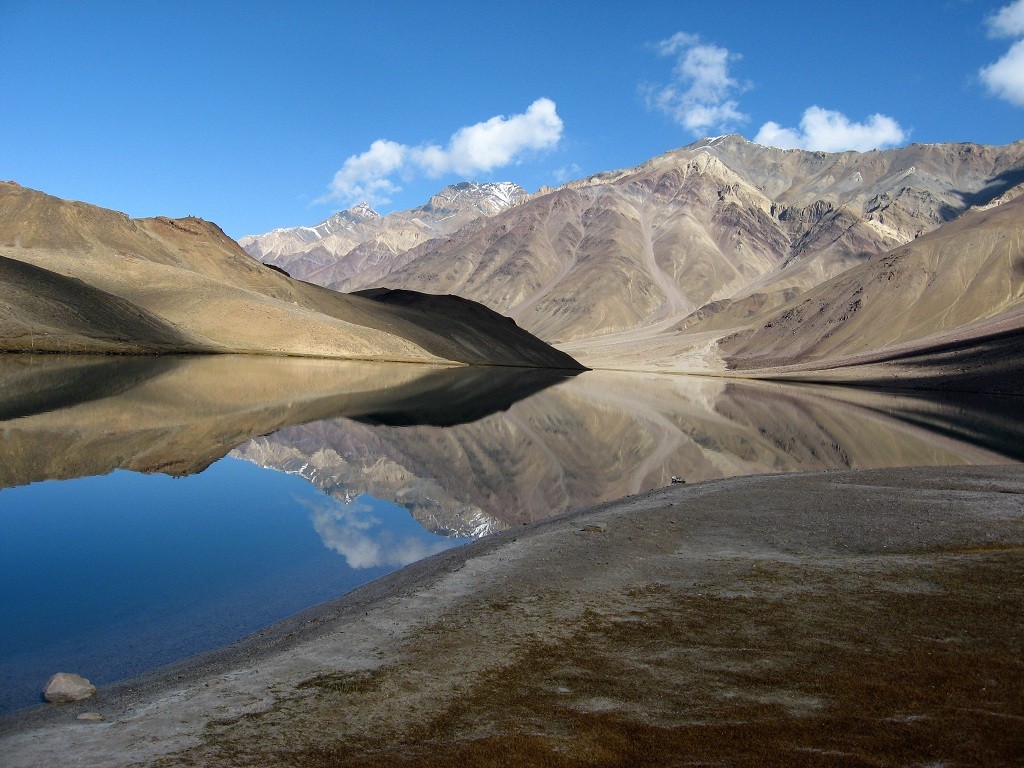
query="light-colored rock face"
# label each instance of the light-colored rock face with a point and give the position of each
(65, 687)
(359, 241)
(700, 239)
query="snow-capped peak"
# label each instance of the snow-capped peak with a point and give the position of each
(364, 210)
(489, 198)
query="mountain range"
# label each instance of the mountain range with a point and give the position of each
(702, 259)
(896, 267)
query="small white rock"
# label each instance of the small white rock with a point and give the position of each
(65, 686)
(91, 717)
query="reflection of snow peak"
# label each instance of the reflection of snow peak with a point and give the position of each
(355, 532)
(362, 469)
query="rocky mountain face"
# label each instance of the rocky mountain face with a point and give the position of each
(359, 241)
(719, 226)
(957, 293)
(649, 267)
(710, 257)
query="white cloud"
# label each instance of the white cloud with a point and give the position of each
(1005, 77)
(702, 96)
(365, 176)
(493, 143)
(478, 148)
(826, 130)
(1008, 21)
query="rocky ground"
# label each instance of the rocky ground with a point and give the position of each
(847, 618)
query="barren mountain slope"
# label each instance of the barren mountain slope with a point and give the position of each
(963, 282)
(608, 257)
(945, 311)
(81, 278)
(723, 220)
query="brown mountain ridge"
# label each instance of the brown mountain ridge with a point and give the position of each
(709, 258)
(79, 278)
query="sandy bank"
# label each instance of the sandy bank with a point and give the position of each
(852, 618)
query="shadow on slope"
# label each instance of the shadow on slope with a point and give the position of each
(49, 312)
(988, 364)
(996, 187)
(468, 331)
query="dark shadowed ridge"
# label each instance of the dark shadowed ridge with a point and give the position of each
(460, 396)
(467, 325)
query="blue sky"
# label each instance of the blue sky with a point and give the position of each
(245, 113)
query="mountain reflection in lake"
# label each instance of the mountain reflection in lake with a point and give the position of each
(604, 435)
(110, 576)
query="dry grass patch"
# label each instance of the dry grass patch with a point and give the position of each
(807, 665)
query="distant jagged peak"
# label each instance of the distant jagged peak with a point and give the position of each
(357, 214)
(361, 210)
(726, 139)
(734, 143)
(360, 213)
(489, 197)
(949, 177)
(347, 221)
(361, 220)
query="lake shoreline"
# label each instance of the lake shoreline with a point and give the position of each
(717, 618)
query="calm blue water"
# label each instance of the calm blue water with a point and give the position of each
(112, 576)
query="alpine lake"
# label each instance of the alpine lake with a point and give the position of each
(155, 508)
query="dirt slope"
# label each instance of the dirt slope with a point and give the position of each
(105, 282)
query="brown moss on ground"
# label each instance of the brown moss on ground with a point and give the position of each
(863, 662)
(345, 683)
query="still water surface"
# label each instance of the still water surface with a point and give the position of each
(152, 509)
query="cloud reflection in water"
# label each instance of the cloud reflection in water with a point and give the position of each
(370, 533)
